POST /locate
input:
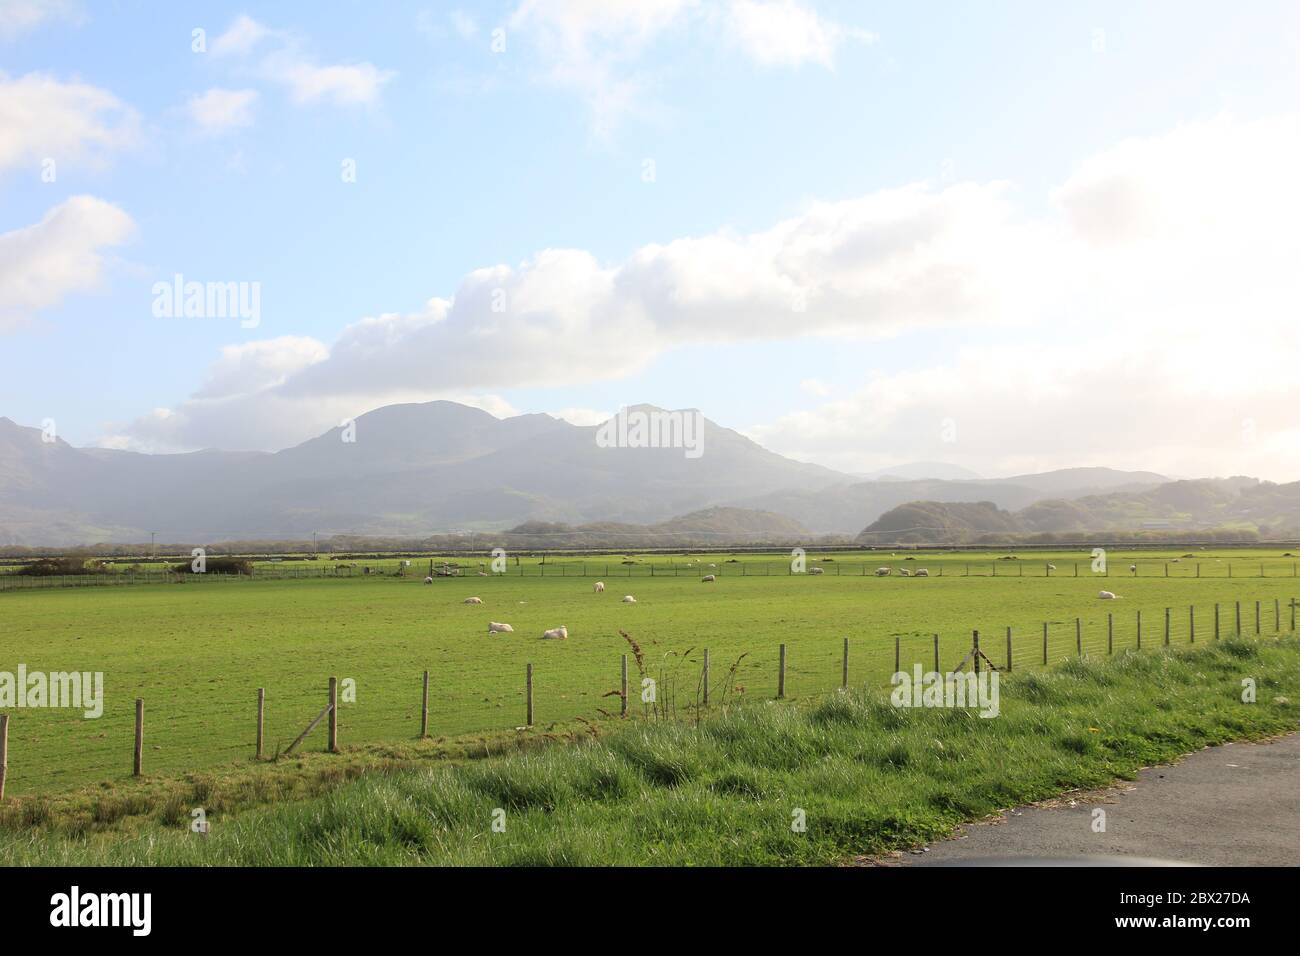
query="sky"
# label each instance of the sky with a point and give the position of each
(1011, 236)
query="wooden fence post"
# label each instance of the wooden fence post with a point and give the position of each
(1139, 631)
(1166, 627)
(1044, 643)
(780, 675)
(1191, 624)
(1216, 620)
(897, 668)
(261, 719)
(334, 716)
(622, 683)
(1078, 636)
(1110, 634)
(1256, 618)
(4, 752)
(528, 676)
(844, 676)
(1238, 614)
(975, 650)
(705, 678)
(1277, 616)
(1008, 650)
(936, 653)
(138, 764)
(424, 707)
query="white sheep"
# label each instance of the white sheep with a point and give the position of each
(1108, 596)
(905, 572)
(473, 600)
(600, 587)
(708, 577)
(1133, 568)
(556, 634)
(1051, 567)
(495, 628)
(882, 572)
(814, 570)
(428, 580)
(922, 573)
(628, 599)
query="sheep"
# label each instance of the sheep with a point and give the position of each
(600, 587)
(707, 578)
(922, 573)
(814, 570)
(473, 600)
(882, 572)
(495, 628)
(1133, 568)
(1108, 596)
(428, 580)
(628, 599)
(556, 634)
(1051, 567)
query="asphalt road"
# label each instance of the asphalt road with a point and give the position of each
(1234, 805)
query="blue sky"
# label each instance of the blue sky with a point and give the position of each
(1004, 120)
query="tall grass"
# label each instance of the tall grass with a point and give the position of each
(868, 777)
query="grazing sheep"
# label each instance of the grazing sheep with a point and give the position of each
(1133, 568)
(814, 570)
(428, 580)
(1108, 596)
(628, 599)
(882, 572)
(556, 634)
(922, 573)
(495, 628)
(600, 587)
(905, 572)
(1051, 567)
(708, 577)
(473, 600)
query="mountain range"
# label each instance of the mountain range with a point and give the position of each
(412, 470)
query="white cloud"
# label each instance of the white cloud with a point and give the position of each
(219, 110)
(20, 16)
(287, 64)
(815, 387)
(593, 47)
(42, 117)
(463, 24)
(61, 255)
(787, 33)
(343, 84)
(1140, 322)
(241, 37)
(582, 416)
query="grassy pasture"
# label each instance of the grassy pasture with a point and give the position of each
(197, 652)
(865, 778)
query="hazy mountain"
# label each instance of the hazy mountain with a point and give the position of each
(403, 470)
(919, 470)
(412, 470)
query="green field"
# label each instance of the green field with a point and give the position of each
(197, 652)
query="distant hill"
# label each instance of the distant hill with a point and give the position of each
(1228, 505)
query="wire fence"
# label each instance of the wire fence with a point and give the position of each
(1226, 569)
(206, 723)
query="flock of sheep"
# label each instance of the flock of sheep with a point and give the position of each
(560, 633)
(905, 572)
